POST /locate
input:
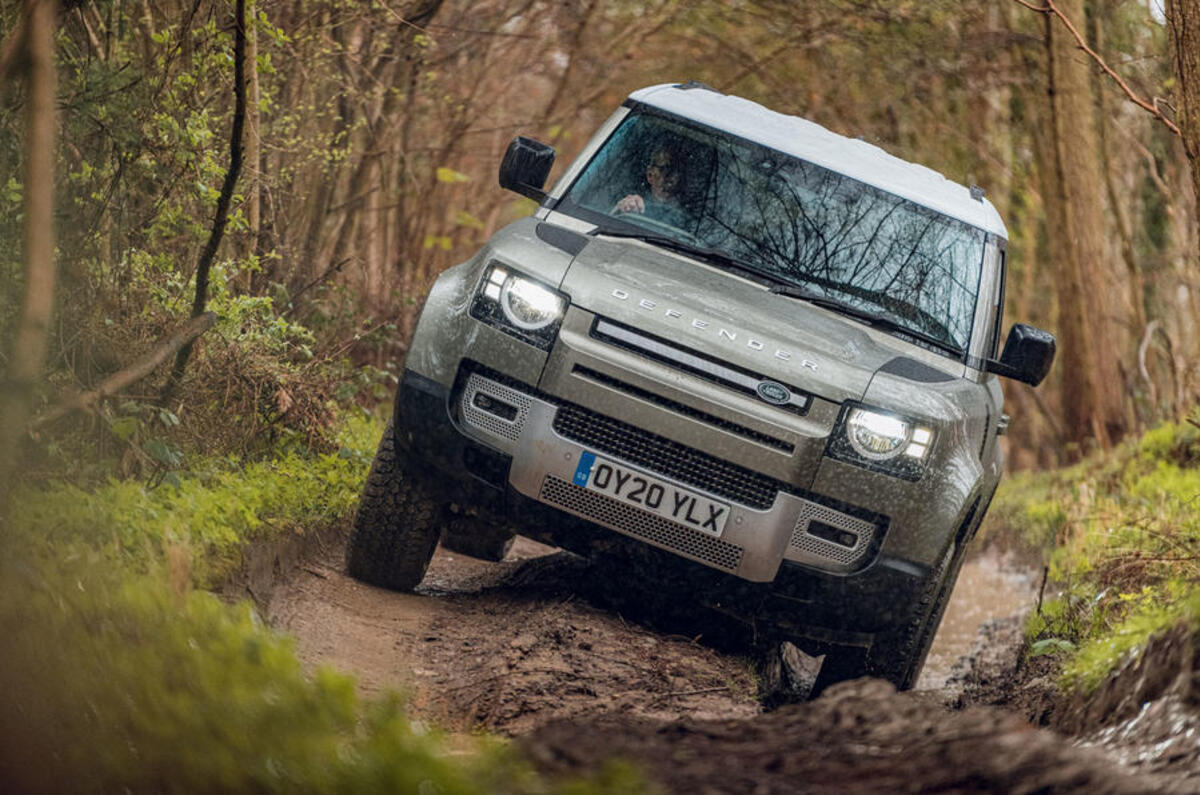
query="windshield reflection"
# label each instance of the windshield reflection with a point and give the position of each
(787, 219)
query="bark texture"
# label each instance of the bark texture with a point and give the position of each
(1089, 298)
(1183, 16)
(29, 348)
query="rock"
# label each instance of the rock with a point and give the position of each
(788, 676)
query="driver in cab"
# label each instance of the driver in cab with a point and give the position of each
(661, 201)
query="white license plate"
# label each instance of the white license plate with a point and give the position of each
(651, 494)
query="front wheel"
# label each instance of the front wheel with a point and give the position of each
(397, 525)
(899, 653)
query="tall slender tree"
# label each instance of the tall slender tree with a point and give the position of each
(1092, 394)
(1183, 17)
(35, 59)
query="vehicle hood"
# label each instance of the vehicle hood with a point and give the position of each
(727, 318)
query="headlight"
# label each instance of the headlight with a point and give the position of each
(519, 305)
(881, 441)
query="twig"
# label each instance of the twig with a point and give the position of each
(332, 269)
(1141, 358)
(694, 692)
(1042, 590)
(1150, 107)
(131, 374)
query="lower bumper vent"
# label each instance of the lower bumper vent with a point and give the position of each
(640, 524)
(823, 535)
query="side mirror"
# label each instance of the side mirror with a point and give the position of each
(1028, 354)
(525, 166)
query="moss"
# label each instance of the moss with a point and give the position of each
(212, 511)
(1155, 611)
(1121, 535)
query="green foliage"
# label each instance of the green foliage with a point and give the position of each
(118, 676)
(212, 512)
(1151, 614)
(1121, 536)
(115, 684)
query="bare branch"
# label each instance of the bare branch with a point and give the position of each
(88, 401)
(221, 218)
(1150, 107)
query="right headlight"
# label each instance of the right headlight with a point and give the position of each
(523, 307)
(881, 441)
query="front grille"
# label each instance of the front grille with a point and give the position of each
(640, 524)
(687, 411)
(809, 546)
(718, 372)
(665, 457)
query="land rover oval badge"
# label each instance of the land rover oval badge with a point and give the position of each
(774, 392)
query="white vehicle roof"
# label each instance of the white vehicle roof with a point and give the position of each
(810, 141)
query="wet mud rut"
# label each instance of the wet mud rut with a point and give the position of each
(514, 648)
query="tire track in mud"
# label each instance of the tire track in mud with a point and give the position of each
(513, 648)
(504, 647)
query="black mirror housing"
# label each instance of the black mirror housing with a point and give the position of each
(1028, 354)
(525, 166)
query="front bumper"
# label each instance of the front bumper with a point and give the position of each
(532, 445)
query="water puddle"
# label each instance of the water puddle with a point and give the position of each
(988, 588)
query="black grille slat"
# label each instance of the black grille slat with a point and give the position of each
(665, 457)
(688, 411)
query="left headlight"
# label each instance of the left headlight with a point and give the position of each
(881, 441)
(523, 307)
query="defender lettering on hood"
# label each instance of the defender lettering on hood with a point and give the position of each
(722, 333)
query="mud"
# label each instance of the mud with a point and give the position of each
(505, 647)
(522, 648)
(857, 737)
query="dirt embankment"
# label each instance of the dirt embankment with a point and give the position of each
(521, 648)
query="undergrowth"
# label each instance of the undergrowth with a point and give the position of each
(208, 513)
(121, 674)
(117, 683)
(1121, 537)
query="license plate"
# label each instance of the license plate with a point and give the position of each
(651, 494)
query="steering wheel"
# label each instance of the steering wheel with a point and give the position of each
(656, 225)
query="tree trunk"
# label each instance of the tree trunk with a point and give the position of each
(1089, 319)
(221, 216)
(29, 347)
(1183, 17)
(253, 156)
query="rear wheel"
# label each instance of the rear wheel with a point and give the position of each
(476, 537)
(397, 525)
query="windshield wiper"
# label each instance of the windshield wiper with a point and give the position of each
(873, 319)
(709, 255)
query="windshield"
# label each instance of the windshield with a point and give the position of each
(794, 222)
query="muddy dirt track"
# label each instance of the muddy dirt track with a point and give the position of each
(520, 648)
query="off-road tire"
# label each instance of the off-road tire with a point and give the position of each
(898, 654)
(397, 525)
(476, 537)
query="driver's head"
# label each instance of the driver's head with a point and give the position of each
(662, 173)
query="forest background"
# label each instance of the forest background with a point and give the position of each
(372, 133)
(313, 169)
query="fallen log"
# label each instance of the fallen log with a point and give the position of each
(88, 401)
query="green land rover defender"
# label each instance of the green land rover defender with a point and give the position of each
(731, 339)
